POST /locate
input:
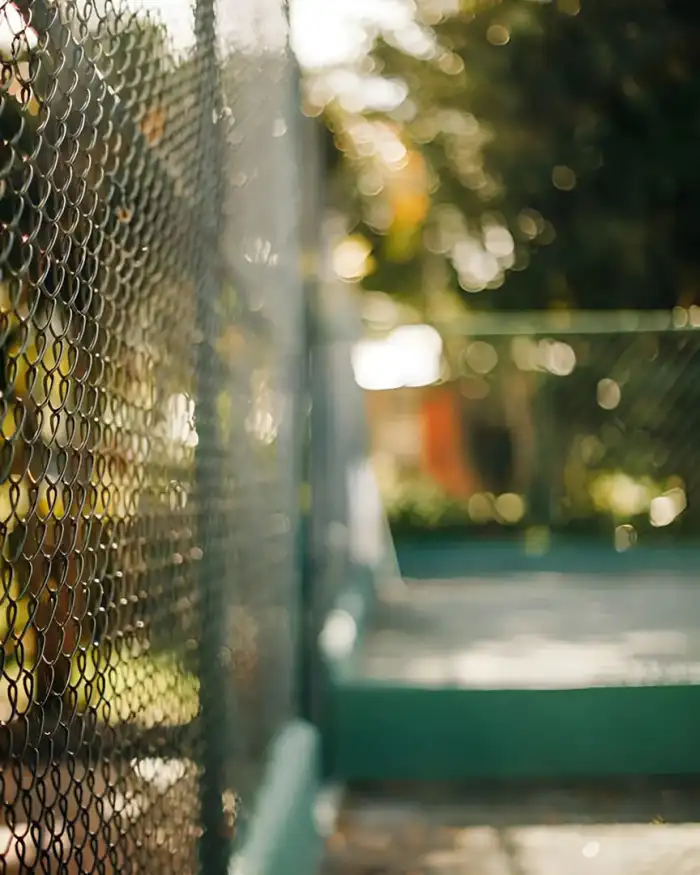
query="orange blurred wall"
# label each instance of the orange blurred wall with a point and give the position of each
(421, 429)
(442, 444)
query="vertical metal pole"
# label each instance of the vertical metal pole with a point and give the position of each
(309, 240)
(544, 489)
(291, 326)
(213, 676)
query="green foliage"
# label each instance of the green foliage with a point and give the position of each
(575, 132)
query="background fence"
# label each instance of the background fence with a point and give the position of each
(579, 423)
(152, 330)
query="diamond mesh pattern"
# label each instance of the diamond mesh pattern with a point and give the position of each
(600, 425)
(149, 341)
(581, 423)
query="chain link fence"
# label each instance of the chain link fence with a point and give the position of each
(151, 329)
(581, 423)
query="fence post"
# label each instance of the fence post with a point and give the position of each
(311, 217)
(543, 489)
(214, 681)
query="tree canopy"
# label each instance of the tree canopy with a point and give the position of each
(543, 155)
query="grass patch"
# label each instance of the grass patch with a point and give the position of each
(147, 689)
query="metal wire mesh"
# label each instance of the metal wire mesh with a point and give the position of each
(586, 427)
(150, 324)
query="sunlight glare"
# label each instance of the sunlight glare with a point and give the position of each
(411, 356)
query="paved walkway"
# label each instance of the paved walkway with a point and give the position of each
(540, 630)
(641, 828)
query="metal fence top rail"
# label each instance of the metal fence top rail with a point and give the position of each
(575, 322)
(562, 322)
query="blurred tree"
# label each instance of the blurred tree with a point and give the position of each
(558, 137)
(558, 141)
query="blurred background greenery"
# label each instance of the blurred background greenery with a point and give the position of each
(518, 186)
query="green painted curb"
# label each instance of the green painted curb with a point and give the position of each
(393, 732)
(435, 557)
(281, 837)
